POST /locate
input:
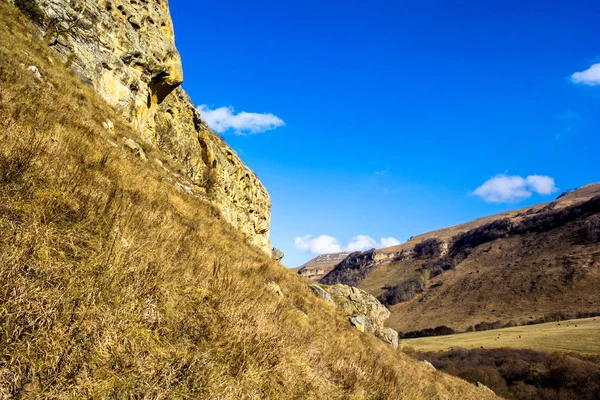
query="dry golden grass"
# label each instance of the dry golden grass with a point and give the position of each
(577, 335)
(114, 284)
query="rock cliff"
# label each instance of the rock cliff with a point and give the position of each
(321, 265)
(125, 50)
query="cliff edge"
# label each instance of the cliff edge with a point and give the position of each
(125, 51)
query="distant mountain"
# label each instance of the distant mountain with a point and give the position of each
(511, 267)
(320, 266)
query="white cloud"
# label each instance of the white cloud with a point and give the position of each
(511, 189)
(590, 76)
(328, 244)
(319, 245)
(224, 119)
(541, 184)
(361, 243)
(389, 241)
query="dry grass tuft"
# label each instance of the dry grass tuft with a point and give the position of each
(115, 284)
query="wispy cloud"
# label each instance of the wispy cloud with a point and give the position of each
(224, 119)
(325, 244)
(389, 241)
(568, 115)
(511, 189)
(589, 77)
(568, 122)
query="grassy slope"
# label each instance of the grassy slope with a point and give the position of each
(578, 335)
(115, 284)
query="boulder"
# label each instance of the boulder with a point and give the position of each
(277, 254)
(355, 301)
(363, 310)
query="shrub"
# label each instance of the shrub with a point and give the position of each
(403, 292)
(428, 248)
(592, 229)
(31, 10)
(437, 331)
(523, 374)
(210, 180)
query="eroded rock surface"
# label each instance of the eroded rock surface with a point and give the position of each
(125, 50)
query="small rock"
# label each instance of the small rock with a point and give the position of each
(487, 389)
(35, 71)
(274, 288)
(359, 322)
(428, 364)
(276, 254)
(321, 293)
(135, 148)
(108, 125)
(185, 188)
(389, 336)
(124, 242)
(158, 162)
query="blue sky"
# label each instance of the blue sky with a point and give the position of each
(376, 119)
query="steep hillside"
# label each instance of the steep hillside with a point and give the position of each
(512, 268)
(118, 279)
(125, 51)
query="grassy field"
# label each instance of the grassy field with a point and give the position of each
(577, 335)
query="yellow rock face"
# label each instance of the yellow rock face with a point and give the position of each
(125, 50)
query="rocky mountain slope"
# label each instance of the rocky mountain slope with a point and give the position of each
(125, 51)
(117, 281)
(321, 265)
(509, 268)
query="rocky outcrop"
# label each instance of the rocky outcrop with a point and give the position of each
(125, 50)
(364, 311)
(277, 254)
(320, 266)
(210, 163)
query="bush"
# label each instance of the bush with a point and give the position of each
(31, 10)
(403, 292)
(592, 229)
(428, 248)
(437, 331)
(523, 374)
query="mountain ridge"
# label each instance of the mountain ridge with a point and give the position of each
(426, 281)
